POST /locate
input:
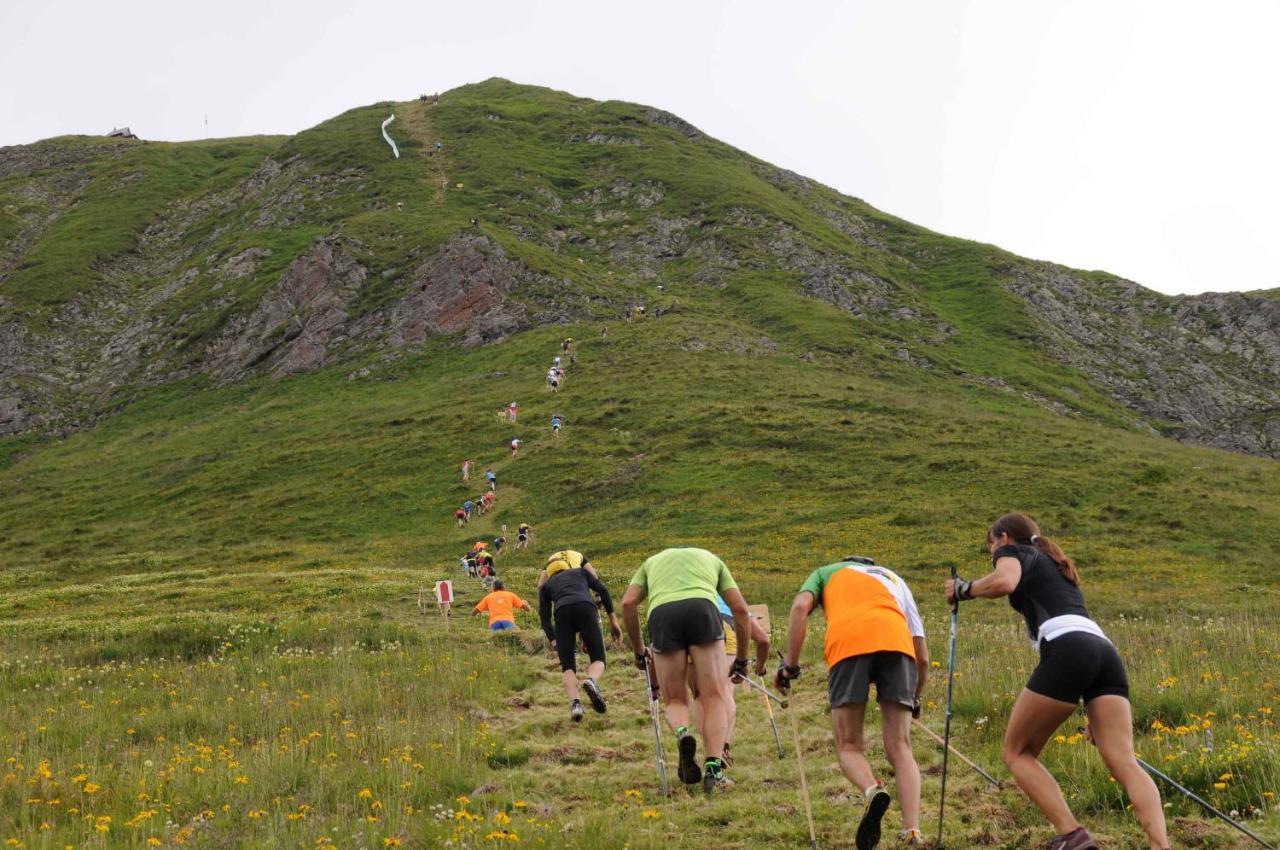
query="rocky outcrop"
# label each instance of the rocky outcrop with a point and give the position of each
(1206, 366)
(297, 323)
(462, 289)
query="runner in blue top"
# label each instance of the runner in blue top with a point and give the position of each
(492, 478)
(467, 506)
(761, 639)
(556, 422)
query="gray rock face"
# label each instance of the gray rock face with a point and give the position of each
(293, 326)
(666, 119)
(305, 320)
(463, 289)
(1209, 365)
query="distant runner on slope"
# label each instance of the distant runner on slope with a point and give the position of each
(466, 470)
(681, 585)
(501, 605)
(524, 534)
(567, 593)
(515, 446)
(556, 422)
(461, 516)
(492, 478)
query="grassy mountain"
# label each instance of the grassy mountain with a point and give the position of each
(241, 385)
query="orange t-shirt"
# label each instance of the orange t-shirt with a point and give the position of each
(501, 605)
(868, 608)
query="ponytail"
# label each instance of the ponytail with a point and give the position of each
(1023, 529)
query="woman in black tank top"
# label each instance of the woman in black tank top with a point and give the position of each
(1077, 662)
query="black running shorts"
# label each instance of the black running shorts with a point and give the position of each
(1078, 666)
(684, 623)
(573, 620)
(894, 673)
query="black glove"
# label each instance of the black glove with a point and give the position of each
(963, 590)
(782, 679)
(915, 709)
(738, 670)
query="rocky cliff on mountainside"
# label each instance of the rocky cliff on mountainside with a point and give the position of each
(268, 258)
(1205, 366)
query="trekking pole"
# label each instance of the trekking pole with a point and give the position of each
(804, 783)
(651, 683)
(938, 738)
(1155, 772)
(768, 706)
(768, 693)
(951, 680)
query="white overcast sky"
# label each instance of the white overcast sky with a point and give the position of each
(1137, 136)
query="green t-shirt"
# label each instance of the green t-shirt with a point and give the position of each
(682, 573)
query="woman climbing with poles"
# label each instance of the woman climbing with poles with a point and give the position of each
(1077, 662)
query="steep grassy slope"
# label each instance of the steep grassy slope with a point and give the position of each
(133, 264)
(265, 526)
(208, 624)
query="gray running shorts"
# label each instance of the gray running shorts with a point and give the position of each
(894, 674)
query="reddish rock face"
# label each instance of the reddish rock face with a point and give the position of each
(463, 287)
(304, 321)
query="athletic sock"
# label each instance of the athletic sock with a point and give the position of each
(681, 731)
(871, 789)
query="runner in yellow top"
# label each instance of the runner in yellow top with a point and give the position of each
(501, 605)
(874, 634)
(565, 559)
(681, 586)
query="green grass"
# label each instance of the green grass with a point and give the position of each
(225, 577)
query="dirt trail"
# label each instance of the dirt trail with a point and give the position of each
(418, 124)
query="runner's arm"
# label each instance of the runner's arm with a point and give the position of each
(798, 625)
(602, 591)
(631, 600)
(741, 619)
(761, 639)
(1001, 581)
(544, 614)
(922, 664)
(481, 606)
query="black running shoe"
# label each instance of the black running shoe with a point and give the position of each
(713, 775)
(690, 773)
(869, 827)
(593, 694)
(576, 712)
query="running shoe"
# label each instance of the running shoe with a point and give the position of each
(690, 773)
(1077, 839)
(593, 694)
(713, 775)
(868, 835)
(576, 712)
(910, 838)
(727, 758)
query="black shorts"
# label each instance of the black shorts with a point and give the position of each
(684, 623)
(1078, 666)
(894, 674)
(571, 621)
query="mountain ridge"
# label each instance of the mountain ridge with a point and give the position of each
(126, 264)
